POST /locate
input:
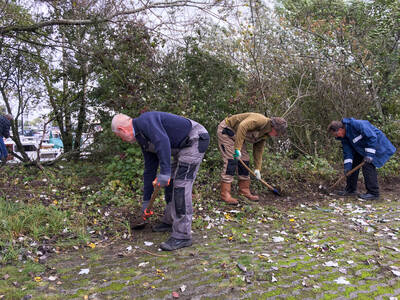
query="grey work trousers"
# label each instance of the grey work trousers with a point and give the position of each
(178, 195)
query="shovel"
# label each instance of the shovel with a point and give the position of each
(274, 190)
(326, 190)
(141, 221)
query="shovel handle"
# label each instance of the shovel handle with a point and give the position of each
(251, 171)
(153, 197)
(347, 174)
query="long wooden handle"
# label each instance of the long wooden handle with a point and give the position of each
(251, 171)
(153, 197)
(347, 174)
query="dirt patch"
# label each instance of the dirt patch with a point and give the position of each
(92, 180)
(36, 183)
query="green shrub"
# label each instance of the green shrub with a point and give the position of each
(392, 167)
(126, 169)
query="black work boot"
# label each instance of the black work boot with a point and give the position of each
(346, 193)
(162, 227)
(369, 197)
(173, 244)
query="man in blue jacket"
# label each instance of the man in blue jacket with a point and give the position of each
(361, 141)
(5, 124)
(162, 135)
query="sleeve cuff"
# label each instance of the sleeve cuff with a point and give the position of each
(348, 161)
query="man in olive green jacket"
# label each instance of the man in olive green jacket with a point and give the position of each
(232, 133)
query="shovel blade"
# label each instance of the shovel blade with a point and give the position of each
(139, 223)
(276, 192)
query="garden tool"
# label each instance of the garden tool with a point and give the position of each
(326, 190)
(347, 175)
(274, 190)
(141, 221)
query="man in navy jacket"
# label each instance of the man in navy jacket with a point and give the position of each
(5, 125)
(361, 141)
(162, 135)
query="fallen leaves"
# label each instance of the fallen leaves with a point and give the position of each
(84, 272)
(160, 273)
(277, 239)
(142, 264)
(342, 280)
(331, 264)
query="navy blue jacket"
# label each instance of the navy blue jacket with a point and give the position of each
(364, 138)
(5, 125)
(157, 133)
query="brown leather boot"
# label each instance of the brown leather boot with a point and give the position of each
(226, 193)
(244, 189)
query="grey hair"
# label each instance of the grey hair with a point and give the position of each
(334, 126)
(119, 120)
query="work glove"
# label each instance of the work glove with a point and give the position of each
(258, 174)
(368, 159)
(144, 205)
(237, 155)
(162, 180)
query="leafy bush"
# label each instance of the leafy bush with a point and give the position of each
(126, 169)
(311, 168)
(392, 167)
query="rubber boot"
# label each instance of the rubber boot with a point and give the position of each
(244, 189)
(226, 193)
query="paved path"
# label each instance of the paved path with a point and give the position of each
(334, 249)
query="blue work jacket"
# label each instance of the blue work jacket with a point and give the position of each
(157, 134)
(364, 138)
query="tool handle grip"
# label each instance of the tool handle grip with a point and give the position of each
(347, 174)
(153, 197)
(251, 171)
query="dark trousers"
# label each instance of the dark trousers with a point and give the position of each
(370, 176)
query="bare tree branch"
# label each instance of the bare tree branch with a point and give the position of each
(4, 30)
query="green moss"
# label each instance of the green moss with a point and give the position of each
(114, 286)
(340, 250)
(349, 290)
(245, 260)
(384, 290)
(79, 293)
(95, 256)
(365, 274)
(272, 293)
(330, 296)
(131, 271)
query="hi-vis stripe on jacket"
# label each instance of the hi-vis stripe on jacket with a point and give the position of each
(367, 140)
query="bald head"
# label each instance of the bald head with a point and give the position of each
(120, 120)
(122, 126)
(8, 117)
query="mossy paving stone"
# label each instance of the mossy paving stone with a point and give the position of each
(292, 269)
